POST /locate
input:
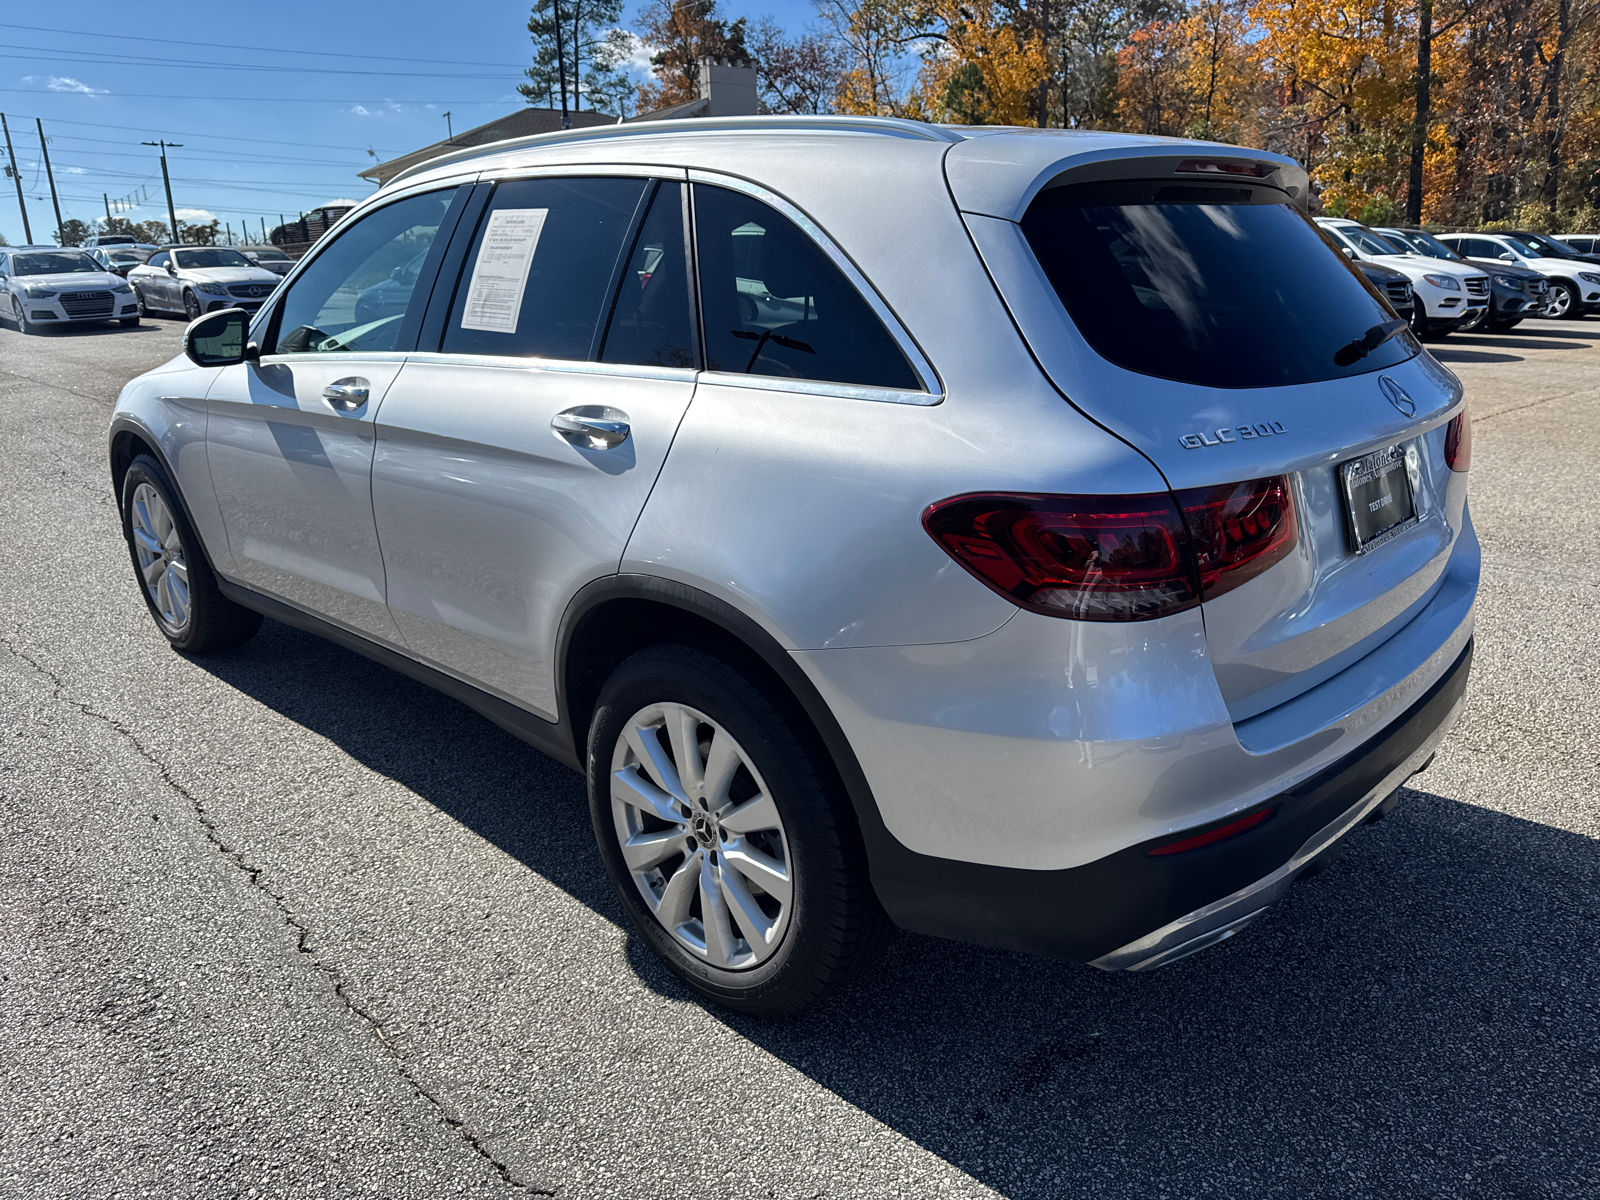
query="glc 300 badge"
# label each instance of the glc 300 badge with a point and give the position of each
(1230, 433)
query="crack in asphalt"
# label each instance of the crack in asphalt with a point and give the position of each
(388, 1037)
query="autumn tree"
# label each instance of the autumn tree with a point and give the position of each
(683, 31)
(796, 74)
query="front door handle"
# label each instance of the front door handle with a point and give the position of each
(347, 394)
(595, 427)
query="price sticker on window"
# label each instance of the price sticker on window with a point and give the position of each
(499, 277)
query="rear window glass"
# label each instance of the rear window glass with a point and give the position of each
(1217, 286)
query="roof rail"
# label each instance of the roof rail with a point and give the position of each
(883, 126)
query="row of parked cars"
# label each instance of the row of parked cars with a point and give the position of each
(44, 286)
(1460, 282)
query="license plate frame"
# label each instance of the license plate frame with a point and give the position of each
(1376, 486)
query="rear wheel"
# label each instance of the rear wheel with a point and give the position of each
(730, 845)
(128, 322)
(177, 583)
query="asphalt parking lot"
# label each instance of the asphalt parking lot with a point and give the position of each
(284, 923)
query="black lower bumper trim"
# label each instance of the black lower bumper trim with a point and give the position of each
(1084, 912)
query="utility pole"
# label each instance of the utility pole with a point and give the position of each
(561, 68)
(106, 196)
(16, 176)
(263, 231)
(1044, 83)
(61, 239)
(449, 129)
(172, 213)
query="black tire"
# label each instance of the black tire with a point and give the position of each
(835, 924)
(144, 309)
(20, 315)
(1574, 309)
(191, 305)
(128, 322)
(214, 622)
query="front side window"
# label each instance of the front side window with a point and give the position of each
(773, 303)
(541, 267)
(1219, 286)
(357, 292)
(158, 260)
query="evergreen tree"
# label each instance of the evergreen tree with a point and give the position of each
(584, 61)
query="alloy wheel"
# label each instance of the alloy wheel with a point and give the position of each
(1560, 301)
(191, 306)
(162, 563)
(144, 309)
(701, 837)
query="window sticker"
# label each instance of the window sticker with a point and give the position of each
(494, 296)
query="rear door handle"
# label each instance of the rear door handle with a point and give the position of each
(347, 394)
(597, 428)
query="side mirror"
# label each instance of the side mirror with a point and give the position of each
(1508, 257)
(1348, 253)
(171, 269)
(217, 339)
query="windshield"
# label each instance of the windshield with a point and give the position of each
(1422, 243)
(1543, 246)
(115, 239)
(1365, 240)
(52, 264)
(275, 255)
(211, 256)
(1206, 285)
(1522, 247)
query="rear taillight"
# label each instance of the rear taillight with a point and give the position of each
(1458, 442)
(1238, 530)
(1117, 558)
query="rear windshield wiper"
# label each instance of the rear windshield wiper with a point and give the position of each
(1368, 342)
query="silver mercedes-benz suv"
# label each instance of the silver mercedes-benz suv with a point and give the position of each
(1044, 539)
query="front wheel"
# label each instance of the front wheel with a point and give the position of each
(191, 306)
(174, 577)
(144, 309)
(726, 834)
(1564, 303)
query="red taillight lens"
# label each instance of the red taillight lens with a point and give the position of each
(1208, 166)
(1238, 530)
(1117, 558)
(1211, 836)
(1096, 558)
(1458, 442)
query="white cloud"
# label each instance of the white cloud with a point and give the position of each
(196, 216)
(74, 170)
(388, 108)
(65, 83)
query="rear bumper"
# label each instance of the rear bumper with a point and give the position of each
(1132, 911)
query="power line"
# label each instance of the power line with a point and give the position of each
(241, 99)
(132, 60)
(130, 37)
(219, 136)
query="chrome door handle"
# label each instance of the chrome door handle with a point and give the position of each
(346, 394)
(600, 432)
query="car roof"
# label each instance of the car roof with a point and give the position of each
(991, 170)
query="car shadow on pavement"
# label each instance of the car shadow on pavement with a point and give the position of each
(1420, 1020)
(1449, 354)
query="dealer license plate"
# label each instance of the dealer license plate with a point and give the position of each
(1378, 498)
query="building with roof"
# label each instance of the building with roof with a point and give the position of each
(727, 89)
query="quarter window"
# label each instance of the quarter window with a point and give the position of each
(541, 268)
(773, 303)
(355, 295)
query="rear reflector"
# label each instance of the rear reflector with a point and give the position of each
(1117, 558)
(1212, 836)
(1458, 442)
(1211, 166)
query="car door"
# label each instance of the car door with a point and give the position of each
(518, 446)
(156, 282)
(290, 437)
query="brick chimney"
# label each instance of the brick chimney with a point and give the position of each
(728, 86)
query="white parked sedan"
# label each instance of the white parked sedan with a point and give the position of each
(200, 279)
(45, 285)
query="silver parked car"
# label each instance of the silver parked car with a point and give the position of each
(1041, 539)
(46, 286)
(200, 279)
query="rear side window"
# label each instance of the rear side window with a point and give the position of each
(651, 322)
(1218, 286)
(538, 277)
(773, 303)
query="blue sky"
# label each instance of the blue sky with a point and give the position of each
(276, 128)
